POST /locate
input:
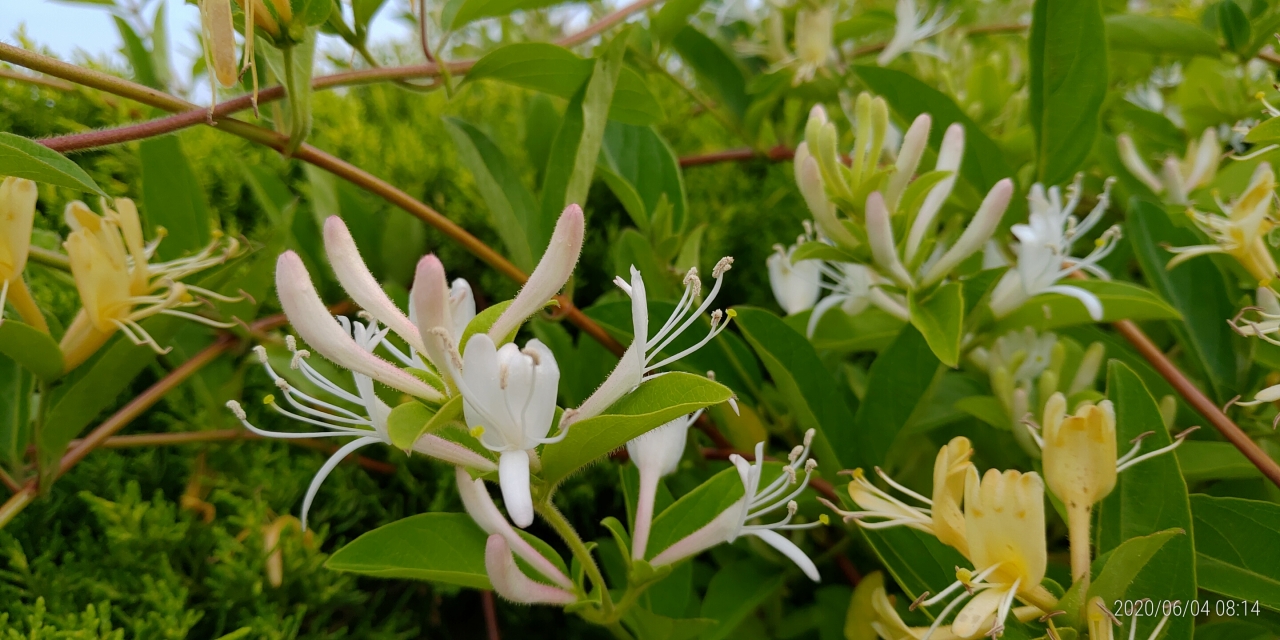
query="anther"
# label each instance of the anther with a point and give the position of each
(262, 353)
(236, 410)
(722, 266)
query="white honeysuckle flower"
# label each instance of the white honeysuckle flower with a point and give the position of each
(367, 424)
(913, 26)
(797, 285)
(1044, 250)
(313, 322)
(1242, 229)
(1178, 177)
(757, 502)
(656, 454)
(855, 287)
(549, 277)
(887, 623)
(637, 363)
(479, 505)
(509, 401)
(440, 312)
(815, 29)
(890, 264)
(511, 583)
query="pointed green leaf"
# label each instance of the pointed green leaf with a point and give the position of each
(509, 201)
(446, 548)
(1238, 548)
(1068, 52)
(23, 158)
(940, 319)
(31, 348)
(172, 197)
(1120, 301)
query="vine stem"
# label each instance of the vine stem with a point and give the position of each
(309, 154)
(552, 515)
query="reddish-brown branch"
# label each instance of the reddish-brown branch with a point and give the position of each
(776, 154)
(1198, 400)
(490, 615)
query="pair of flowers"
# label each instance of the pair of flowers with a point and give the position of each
(119, 285)
(996, 519)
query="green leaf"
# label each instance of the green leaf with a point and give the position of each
(917, 561)
(484, 321)
(715, 68)
(988, 409)
(144, 71)
(1236, 31)
(983, 165)
(940, 319)
(364, 10)
(1196, 289)
(160, 46)
(1068, 83)
(93, 387)
(653, 626)
(509, 201)
(23, 158)
(816, 250)
(1267, 132)
(672, 17)
(811, 393)
(735, 591)
(1238, 548)
(310, 13)
(444, 548)
(898, 382)
(1201, 461)
(16, 388)
(871, 330)
(459, 13)
(1120, 301)
(411, 420)
(1148, 498)
(626, 194)
(652, 404)
(644, 159)
(1115, 573)
(172, 197)
(560, 72)
(1159, 35)
(31, 348)
(698, 507)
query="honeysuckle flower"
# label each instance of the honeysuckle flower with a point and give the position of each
(440, 312)
(367, 422)
(319, 329)
(1241, 231)
(511, 583)
(797, 285)
(1178, 178)
(756, 502)
(1004, 526)
(942, 517)
(17, 216)
(1044, 250)
(509, 401)
(930, 271)
(637, 362)
(549, 277)
(815, 29)
(913, 25)
(479, 505)
(655, 454)
(219, 40)
(118, 287)
(1102, 622)
(854, 287)
(847, 185)
(890, 626)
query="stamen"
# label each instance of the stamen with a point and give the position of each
(884, 476)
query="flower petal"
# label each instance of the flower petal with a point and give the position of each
(513, 477)
(327, 468)
(549, 277)
(950, 154)
(1090, 301)
(718, 531)
(316, 326)
(978, 613)
(976, 234)
(880, 236)
(453, 453)
(790, 550)
(430, 302)
(354, 276)
(479, 505)
(512, 584)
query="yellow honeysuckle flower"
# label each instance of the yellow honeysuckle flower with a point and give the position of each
(1241, 232)
(942, 517)
(17, 215)
(118, 286)
(1079, 450)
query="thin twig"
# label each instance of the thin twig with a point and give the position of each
(230, 435)
(490, 615)
(779, 153)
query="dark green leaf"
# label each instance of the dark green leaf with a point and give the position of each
(641, 157)
(672, 17)
(459, 13)
(735, 591)
(16, 388)
(695, 509)
(23, 158)
(1234, 24)
(172, 197)
(940, 319)
(144, 71)
(509, 201)
(983, 164)
(715, 67)
(1196, 289)
(364, 10)
(31, 348)
(1201, 461)
(437, 547)
(898, 382)
(652, 626)
(1238, 548)
(917, 561)
(1158, 35)
(1068, 83)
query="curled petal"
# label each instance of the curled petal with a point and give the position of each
(1091, 302)
(354, 276)
(430, 302)
(790, 550)
(317, 327)
(327, 468)
(512, 584)
(549, 277)
(1136, 165)
(479, 505)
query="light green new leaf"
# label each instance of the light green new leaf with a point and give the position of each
(672, 17)
(917, 561)
(984, 164)
(483, 322)
(172, 197)
(1120, 301)
(652, 404)
(940, 319)
(653, 626)
(1114, 574)
(446, 548)
(1238, 548)
(871, 330)
(735, 591)
(1159, 35)
(557, 71)
(1148, 498)
(1267, 132)
(1196, 289)
(31, 348)
(1068, 83)
(412, 420)
(509, 201)
(809, 389)
(16, 388)
(23, 158)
